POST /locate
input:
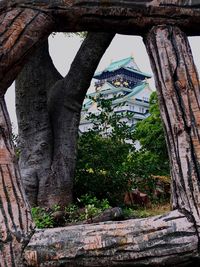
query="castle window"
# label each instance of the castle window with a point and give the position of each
(141, 109)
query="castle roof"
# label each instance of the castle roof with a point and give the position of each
(140, 87)
(124, 90)
(127, 64)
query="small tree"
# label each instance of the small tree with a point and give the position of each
(150, 133)
(103, 155)
(108, 165)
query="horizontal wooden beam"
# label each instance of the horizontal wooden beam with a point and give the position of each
(167, 240)
(24, 23)
(122, 16)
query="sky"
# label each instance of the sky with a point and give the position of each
(63, 49)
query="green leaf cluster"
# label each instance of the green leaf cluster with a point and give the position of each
(150, 133)
(42, 218)
(108, 164)
(86, 208)
(100, 167)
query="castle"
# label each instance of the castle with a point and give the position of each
(124, 83)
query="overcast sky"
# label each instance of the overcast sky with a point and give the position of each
(63, 49)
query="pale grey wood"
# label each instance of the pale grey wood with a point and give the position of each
(178, 87)
(168, 240)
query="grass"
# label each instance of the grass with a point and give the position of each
(139, 212)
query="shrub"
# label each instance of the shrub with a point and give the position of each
(100, 168)
(108, 165)
(42, 218)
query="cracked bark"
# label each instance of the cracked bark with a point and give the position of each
(133, 17)
(168, 240)
(15, 219)
(178, 88)
(20, 33)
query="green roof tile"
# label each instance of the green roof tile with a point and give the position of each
(122, 64)
(136, 90)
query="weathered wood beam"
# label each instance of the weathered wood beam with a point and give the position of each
(20, 32)
(178, 87)
(23, 23)
(123, 16)
(167, 240)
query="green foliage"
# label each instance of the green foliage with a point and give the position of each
(150, 133)
(100, 167)
(42, 218)
(108, 166)
(73, 214)
(86, 208)
(92, 200)
(102, 155)
(106, 119)
(90, 212)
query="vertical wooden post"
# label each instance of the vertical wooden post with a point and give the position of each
(15, 218)
(178, 89)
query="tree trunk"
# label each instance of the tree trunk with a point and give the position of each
(48, 148)
(64, 104)
(15, 218)
(35, 134)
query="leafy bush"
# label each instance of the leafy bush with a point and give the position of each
(150, 133)
(102, 155)
(90, 200)
(108, 165)
(100, 167)
(42, 218)
(86, 208)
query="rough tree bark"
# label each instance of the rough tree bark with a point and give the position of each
(48, 115)
(64, 104)
(130, 16)
(15, 220)
(20, 33)
(168, 240)
(179, 95)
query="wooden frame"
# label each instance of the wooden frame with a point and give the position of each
(170, 239)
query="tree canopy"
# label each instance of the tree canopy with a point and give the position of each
(150, 133)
